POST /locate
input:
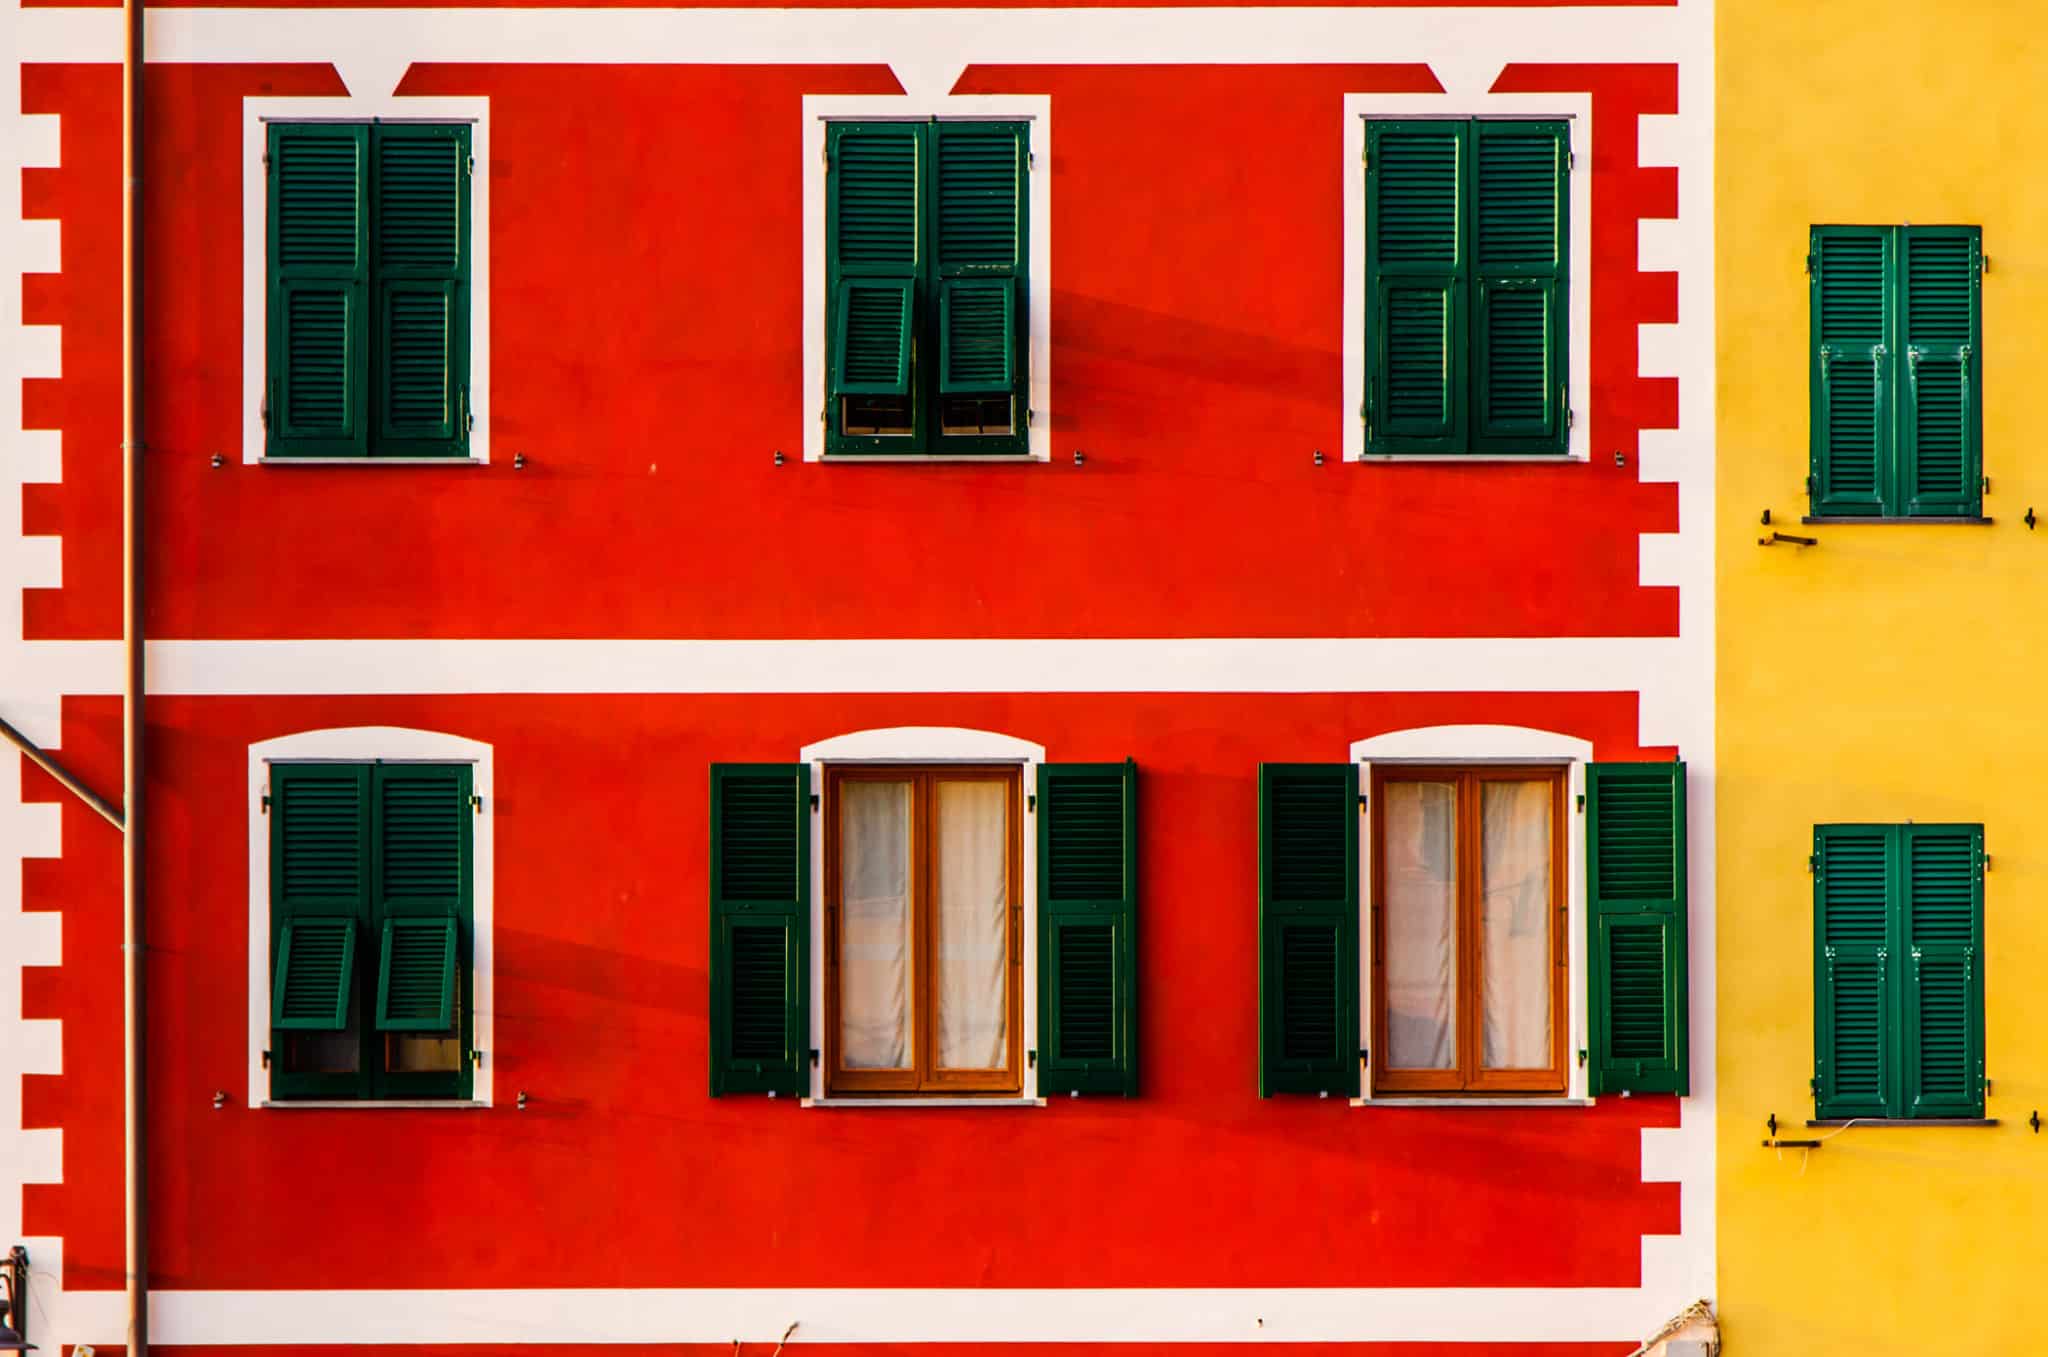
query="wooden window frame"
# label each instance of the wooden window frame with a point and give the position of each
(1470, 1076)
(923, 1078)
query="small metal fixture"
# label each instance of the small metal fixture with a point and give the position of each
(779, 459)
(1079, 460)
(220, 1099)
(1620, 457)
(2030, 518)
(2034, 1120)
(1766, 520)
(217, 460)
(1778, 537)
(1319, 456)
(14, 1305)
(1772, 1123)
(519, 461)
(521, 1104)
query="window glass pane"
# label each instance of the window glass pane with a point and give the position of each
(322, 1052)
(874, 927)
(1421, 916)
(428, 1052)
(1515, 924)
(971, 921)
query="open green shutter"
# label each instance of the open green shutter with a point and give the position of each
(319, 891)
(1520, 197)
(1940, 407)
(1852, 365)
(978, 239)
(760, 928)
(421, 235)
(1636, 928)
(422, 884)
(872, 254)
(1087, 928)
(316, 326)
(416, 976)
(1855, 1042)
(1941, 868)
(1415, 265)
(1308, 928)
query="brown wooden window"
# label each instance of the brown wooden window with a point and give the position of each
(1468, 942)
(923, 930)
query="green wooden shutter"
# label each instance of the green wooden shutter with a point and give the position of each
(1087, 928)
(1308, 928)
(1941, 870)
(423, 884)
(315, 968)
(760, 928)
(421, 243)
(1520, 206)
(1415, 266)
(1940, 406)
(872, 255)
(978, 240)
(416, 975)
(1636, 928)
(1852, 365)
(1855, 1037)
(316, 328)
(320, 869)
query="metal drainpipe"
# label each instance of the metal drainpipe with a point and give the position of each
(133, 932)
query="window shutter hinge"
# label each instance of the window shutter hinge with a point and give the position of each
(814, 802)
(266, 1060)
(1582, 803)
(1571, 419)
(1030, 161)
(1364, 1056)
(1582, 1057)
(266, 164)
(263, 413)
(1811, 264)
(1031, 1056)
(476, 802)
(1987, 485)
(1571, 161)
(266, 803)
(1813, 862)
(476, 1057)
(469, 167)
(1029, 415)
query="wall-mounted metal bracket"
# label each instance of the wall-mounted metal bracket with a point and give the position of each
(14, 1307)
(63, 776)
(1775, 538)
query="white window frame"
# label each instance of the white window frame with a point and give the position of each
(257, 113)
(1576, 111)
(1468, 746)
(1036, 109)
(369, 744)
(923, 746)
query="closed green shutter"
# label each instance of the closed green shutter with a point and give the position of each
(1851, 369)
(873, 255)
(316, 301)
(760, 928)
(1520, 180)
(1855, 1019)
(1942, 1023)
(1636, 928)
(1308, 928)
(1940, 416)
(1416, 346)
(978, 235)
(312, 986)
(320, 875)
(421, 235)
(1087, 928)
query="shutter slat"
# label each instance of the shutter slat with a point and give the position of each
(1087, 928)
(1637, 980)
(760, 928)
(1308, 928)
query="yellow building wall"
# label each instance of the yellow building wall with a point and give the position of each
(1892, 672)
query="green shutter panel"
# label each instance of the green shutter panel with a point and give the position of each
(1942, 1024)
(978, 238)
(1087, 928)
(1636, 928)
(1852, 366)
(423, 883)
(316, 327)
(760, 928)
(421, 235)
(1855, 1044)
(1940, 408)
(1308, 928)
(1415, 266)
(872, 255)
(1520, 198)
(416, 976)
(319, 891)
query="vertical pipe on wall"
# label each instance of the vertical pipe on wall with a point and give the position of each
(133, 932)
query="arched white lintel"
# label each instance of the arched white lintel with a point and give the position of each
(1487, 744)
(923, 744)
(369, 744)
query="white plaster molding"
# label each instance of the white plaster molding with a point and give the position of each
(923, 744)
(364, 744)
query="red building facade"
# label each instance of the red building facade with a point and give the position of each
(497, 538)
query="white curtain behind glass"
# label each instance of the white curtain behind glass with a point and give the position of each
(1515, 924)
(970, 917)
(874, 926)
(1421, 916)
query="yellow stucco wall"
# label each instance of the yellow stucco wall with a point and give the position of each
(1891, 673)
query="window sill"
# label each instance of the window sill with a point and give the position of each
(897, 458)
(1523, 459)
(1504, 1101)
(371, 461)
(1904, 1121)
(1826, 521)
(353, 1104)
(843, 1101)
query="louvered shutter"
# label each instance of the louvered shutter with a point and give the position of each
(319, 891)
(421, 244)
(1855, 1039)
(1636, 928)
(416, 976)
(872, 255)
(1416, 346)
(423, 886)
(1941, 1027)
(1308, 928)
(760, 928)
(978, 238)
(1087, 928)
(1940, 411)
(1852, 365)
(1520, 178)
(316, 326)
